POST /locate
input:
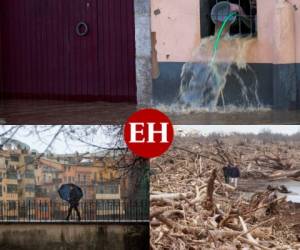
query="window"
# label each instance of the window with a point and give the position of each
(112, 204)
(108, 189)
(244, 25)
(12, 205)
(29, 173)
(14, 158)
(30, 188)
(12, 189)
(11, 174)
(101, 177)
(29, 160)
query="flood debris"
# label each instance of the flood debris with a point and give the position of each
(193, 208)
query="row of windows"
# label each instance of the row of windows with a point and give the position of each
(105, 204)
(11, 174)
(108, 189)
(14, 158)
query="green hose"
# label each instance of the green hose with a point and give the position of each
(216, 44)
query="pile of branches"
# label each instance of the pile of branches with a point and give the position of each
(255, 159)
(192, 207)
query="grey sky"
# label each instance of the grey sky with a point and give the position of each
(207, 129)
(59, 146)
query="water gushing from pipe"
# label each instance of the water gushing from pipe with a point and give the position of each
(203, 83)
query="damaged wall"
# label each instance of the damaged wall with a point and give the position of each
(177, 27)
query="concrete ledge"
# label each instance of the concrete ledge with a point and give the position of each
(74, 236)
(63, 222)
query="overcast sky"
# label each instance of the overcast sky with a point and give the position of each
(207, 129)
(59, 146)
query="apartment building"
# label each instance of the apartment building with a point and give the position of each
(86, 172)
(17, 179)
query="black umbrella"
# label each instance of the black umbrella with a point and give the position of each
(66, 189)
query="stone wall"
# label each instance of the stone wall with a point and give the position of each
(62, 236)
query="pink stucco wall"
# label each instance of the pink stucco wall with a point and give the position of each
(177, 29)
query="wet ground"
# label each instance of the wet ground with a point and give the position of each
(238, 118)
(59, 112)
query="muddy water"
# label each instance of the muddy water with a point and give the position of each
(247, 187)
(204, 78)
(60, 112)
(55, 112)
(235, 117)
(293, 187)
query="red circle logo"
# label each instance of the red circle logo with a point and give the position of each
(148, 133)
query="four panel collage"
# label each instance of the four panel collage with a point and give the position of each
(149, 124)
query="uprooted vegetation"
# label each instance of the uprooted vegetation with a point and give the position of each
(192, 207)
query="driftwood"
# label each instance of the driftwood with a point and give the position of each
(209, 202)
(192, 207)
(285, 174)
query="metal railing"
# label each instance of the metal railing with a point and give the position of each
(90, 211)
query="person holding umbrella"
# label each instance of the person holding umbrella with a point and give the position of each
(72, 194)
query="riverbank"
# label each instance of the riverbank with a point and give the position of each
(192, 207)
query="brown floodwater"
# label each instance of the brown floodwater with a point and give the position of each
(238, 118)
(61, 112)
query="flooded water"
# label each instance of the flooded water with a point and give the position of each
(255, 117)
(57, 112)
(293, 187)
(203, 83)
(63, 112)
(248, 187)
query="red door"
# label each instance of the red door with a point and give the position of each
(68, 49)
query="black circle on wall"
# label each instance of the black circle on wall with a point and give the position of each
(82, 29)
